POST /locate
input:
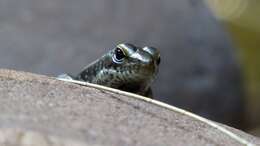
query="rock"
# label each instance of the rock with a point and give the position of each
(40, 110)
(199, 71)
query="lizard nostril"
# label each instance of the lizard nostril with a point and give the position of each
(154, 53)
(158, 61)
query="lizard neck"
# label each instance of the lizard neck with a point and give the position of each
(89, 73)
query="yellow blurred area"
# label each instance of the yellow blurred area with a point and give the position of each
(242, 20)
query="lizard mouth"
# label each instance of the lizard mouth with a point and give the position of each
(143, 74)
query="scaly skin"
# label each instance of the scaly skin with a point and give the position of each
(126, 67)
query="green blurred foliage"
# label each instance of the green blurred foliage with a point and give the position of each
(248, 42)
(241, 18)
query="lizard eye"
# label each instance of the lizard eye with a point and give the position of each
(118, 56)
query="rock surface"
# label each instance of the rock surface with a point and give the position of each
(40, 110)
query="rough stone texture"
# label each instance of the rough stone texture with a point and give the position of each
(36, 109)
(198, 70)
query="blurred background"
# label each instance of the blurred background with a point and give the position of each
(210, 61)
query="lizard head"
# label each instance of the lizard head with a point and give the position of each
(134, 67)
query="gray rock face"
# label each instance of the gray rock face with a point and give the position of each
(39, 110)
(198, 70)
